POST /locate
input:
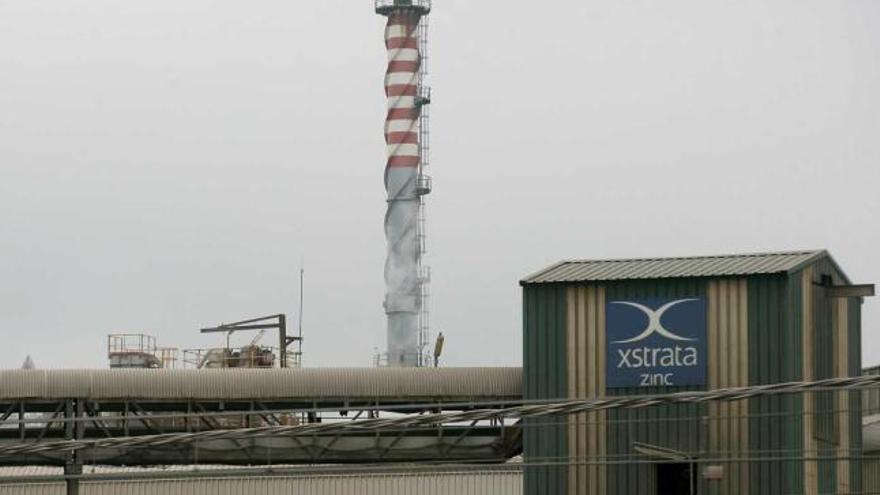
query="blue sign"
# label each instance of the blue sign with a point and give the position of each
(655, 342)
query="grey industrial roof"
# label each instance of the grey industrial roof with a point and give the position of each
(12, 471)
(256, 384)
(692, 266)
(126, 479)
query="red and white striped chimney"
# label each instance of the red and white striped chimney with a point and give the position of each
(403, 297)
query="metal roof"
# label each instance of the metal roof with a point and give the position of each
(399, 479)
(512, 465)
(683, 267)
(256, 384)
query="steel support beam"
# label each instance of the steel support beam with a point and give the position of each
(73, 430)
(862, 290)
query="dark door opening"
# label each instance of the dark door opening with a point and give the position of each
(676, 479)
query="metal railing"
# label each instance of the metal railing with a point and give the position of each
(131, 342)
(232, 357)
(758, 440)
(871, 398)
(133, 350)
(422, 359)
(385, 6)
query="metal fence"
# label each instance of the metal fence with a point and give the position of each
(780, 445)
(782, 439)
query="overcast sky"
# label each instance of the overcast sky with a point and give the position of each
(165, 165)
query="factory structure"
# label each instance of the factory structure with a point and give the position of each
(611, 328)
(140, 350)
(593, 330)
(406, 182)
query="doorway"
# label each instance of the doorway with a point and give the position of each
(676, 478)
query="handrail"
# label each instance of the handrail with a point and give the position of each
(385, 6)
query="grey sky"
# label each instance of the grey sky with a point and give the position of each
(165, 165)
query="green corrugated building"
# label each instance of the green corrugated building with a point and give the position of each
(639, 326)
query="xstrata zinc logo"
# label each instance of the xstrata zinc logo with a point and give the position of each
(655, 342)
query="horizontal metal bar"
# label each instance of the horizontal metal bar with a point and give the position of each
(253, 320)
(560, 408)
(397, 408)
(861, 290)
(279, 471)
(236, 328)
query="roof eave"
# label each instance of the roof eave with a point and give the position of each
(529, 279)
(819, 254)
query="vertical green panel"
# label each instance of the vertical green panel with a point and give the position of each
(754, 371)
(775, 423)
(790, 407)
(854, 321)
(560, 367)
(870, 469)
(824, 354)
(827, 425)
(544, 374)
(827, 467)
(530, 480)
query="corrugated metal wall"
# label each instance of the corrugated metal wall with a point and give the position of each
(672, 426)
(728, 334)
(854, 322)
(819, 431)
(820, 428)
(870, 475)
(871, 396)
(870, 402)
(762, 329)
(545, 446)
(587, 432)
(775, 355)
(33, 489)
(832, 348)
(488, 482)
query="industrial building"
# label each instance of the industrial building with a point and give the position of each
(250, 419)
(592, 329)
(650, 326)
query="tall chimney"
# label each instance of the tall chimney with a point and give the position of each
(405, 183)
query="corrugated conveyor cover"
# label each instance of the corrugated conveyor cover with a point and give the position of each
(317, 383)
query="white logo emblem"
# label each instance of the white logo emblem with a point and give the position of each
(654, 323)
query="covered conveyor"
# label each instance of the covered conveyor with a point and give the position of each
(50, 405)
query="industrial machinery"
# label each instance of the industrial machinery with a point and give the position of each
(137, 350)
(134, 350)
(438, 349)
(252, 355)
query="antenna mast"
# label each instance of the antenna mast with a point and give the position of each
(297, 354)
